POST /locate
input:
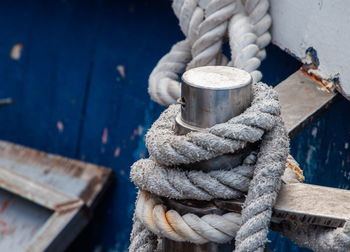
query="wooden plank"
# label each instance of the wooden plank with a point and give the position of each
(20, 220)
(59, 184)
(58, 232)
(312, 204)
(302, 101)
(33, 191)
(71, 177)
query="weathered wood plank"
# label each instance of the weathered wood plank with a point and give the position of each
(61, 185)
(79, 179)
(302, 101)
(20, 220)
(31, 190)
(59, 230)
(313, 204)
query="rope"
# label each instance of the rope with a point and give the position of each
(159, 174)
(318, 238)
(249, 127)
(186, 228)
(175, 184)
(259, 177)
(207, 27)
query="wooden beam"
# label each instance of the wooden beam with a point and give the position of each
(312, 204)
(302, 101)
(65, 189)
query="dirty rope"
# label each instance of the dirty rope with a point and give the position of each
(260, 179)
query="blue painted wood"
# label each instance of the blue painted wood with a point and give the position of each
(48, 81)
(72, 98)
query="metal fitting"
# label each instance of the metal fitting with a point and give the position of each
(212, 95)
(209, 95)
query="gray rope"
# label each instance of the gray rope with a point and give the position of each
(143, 239)
(318, 238)
(263, 189)
(177, 184)
(261, 174)
(169, 149)
(261, 121)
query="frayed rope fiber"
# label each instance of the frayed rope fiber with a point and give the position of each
(260, 180)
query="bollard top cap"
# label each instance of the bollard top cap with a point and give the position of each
(217, 77)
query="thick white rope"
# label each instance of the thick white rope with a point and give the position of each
(257, 10)
(206, 27)
(243, 45)
(164, 80)
(189, 227)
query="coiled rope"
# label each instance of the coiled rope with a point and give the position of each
(260, 180)
(207, 27)
(259, 177)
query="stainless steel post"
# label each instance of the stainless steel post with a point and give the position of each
(209, 95)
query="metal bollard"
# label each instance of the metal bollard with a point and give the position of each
(209, 95)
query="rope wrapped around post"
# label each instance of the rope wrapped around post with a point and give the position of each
(258, 177)
(260, 122)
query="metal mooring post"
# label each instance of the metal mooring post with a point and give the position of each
(209, 95)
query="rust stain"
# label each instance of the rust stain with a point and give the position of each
(105, 136)
(121, 70)
(117, 152)
(326, 85)
(50, 163)
(5, 205)
(64, 205)
(9, 231)
(16, 51)
(90, 189)
(3, 223)
(34, 229)
(297, 170)
(60, 126)
(94, 176)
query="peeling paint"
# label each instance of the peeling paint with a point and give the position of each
(5, 205)
(311, 68)
(105, 136)
(16, 51)
(121, 70)
(117, 152)
(60, 126)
